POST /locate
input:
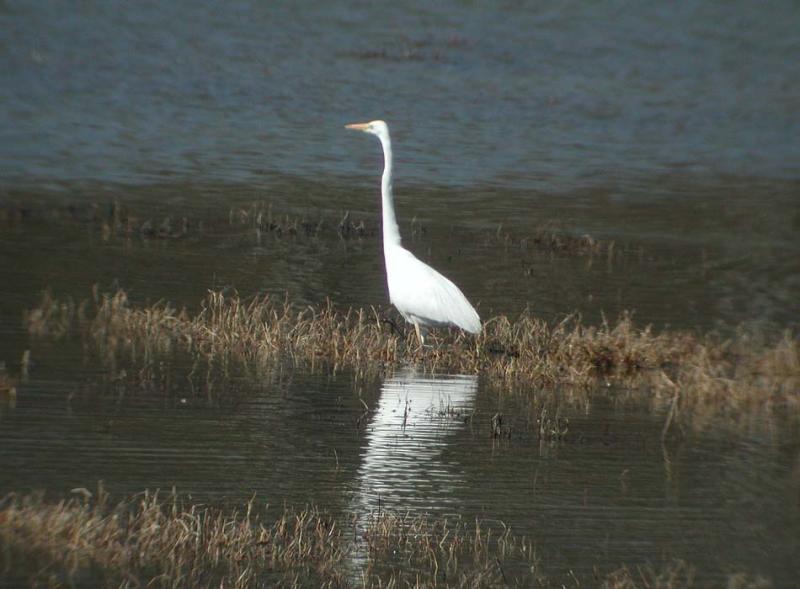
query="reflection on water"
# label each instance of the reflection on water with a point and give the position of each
(406, 462)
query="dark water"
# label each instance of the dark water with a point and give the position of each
(669, 130)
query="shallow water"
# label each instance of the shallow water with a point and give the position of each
(609, 493)
(670, 132)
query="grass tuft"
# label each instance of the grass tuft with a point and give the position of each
(160, 541)
(702, 376)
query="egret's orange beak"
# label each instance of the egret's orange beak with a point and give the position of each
(357, 126)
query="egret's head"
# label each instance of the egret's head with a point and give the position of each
(378, 128)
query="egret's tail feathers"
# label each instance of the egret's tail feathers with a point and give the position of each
(469, 321)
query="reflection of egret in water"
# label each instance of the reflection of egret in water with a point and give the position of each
(406, 462)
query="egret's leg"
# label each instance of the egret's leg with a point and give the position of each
(419, 335)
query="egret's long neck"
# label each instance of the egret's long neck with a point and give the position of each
(391, 232)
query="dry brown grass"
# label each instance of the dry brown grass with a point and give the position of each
(404, 547)
(692, 375)
(162, 542)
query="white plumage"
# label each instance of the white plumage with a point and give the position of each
(422, 295)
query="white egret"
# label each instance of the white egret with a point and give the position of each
(422, 295)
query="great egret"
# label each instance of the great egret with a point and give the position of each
(422, 295)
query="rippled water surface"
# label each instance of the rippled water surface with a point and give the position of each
(669, 131)
(547, 96)
(610, 493)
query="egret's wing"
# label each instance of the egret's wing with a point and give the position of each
(417, 290)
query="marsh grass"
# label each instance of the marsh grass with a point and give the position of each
(161, 541)
(547, 237)
(436, 550)
(689, 374)
(551, 237)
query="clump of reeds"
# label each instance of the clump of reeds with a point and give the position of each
(738, 377)
(51, 318)
(547, 237)
(165, 543)
(150, 540)
(260, 216)
(688, 371)
(414, 548)
(8, 389)
(113, 219)
(155, 541)
(263, 329)
(673, 575)
(550, 237)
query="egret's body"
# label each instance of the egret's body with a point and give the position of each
(422, 295)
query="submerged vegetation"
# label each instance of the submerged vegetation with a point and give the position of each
(155, 541)
(691, 374)
(114, 220)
